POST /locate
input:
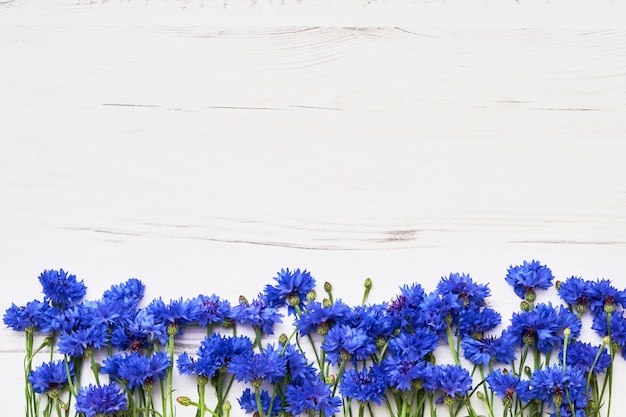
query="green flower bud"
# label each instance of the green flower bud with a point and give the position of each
(345, 355)
(172, 329)
(380, 342)
(227, 406)
(311, 295)
(524, 305)
(557, 284)
(243, 300)
(330, 380)
(283, 339)
(581, 308)
(530, 295)
(368, 283)
(328, 287)
(567, 332)
(184, 401)
(322, 328)
(293, 300)
(528, 371)
(327, 303)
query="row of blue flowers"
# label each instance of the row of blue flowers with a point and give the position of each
(334, 359)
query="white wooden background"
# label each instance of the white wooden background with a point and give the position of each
(203, 146)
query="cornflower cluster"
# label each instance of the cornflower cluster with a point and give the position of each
(287, 353)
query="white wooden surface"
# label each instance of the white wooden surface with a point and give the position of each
(203, 146)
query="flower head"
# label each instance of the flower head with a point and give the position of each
(268, 365)
(344, 342)
(311, 396)
(506, 386)
(100, 400)
(319, 317)
(582, 355)
(137, 369)
(61, 288)
(552, 385)
(214, 354)
(462, 285)
(364, 386)
(528, 276)
(50, 376)
(259, 314)
(487, 349)
(23, 317)
(604, 297)
(576, 292)
(291, 289)
(450, 380)
(248, 403)
(210, 310)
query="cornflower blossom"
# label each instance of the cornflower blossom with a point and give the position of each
(62, 289)
(214, 354)
(175, 313)
(83, 341)
(100, 400)
(300, 370)
(582, 355)
(413, 346)
(576, 292)
(291, 290)
(248, 403)
(402, 372)
(50, 376)
(617, 330)
(268, 365)
(127, 294)
(469, 293)
(136, 369)
(451, 380)
(405, 308)
(557, 386)
(344, 342)
(476, 321)
(604, 298)
(488, 349)
(506, 386)
(365, 386)
(311, 396)
(527, 277)
(373, 320)
(129, 337)
(320, 318)
(257, 314)
(438, 311)
(70, 318)
(543, 326)
(20, 318)
(210, 310)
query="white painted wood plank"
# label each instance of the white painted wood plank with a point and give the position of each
(202, 151)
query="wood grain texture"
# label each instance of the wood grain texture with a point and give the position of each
(202, 146)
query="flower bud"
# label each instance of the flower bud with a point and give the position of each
(530, 295)
(328, 287)
(172, 329)
(581, 308)
(311, 295)
(368, 283)
(528, 371)
(380, 342)
(606, 340)
(345, 355)
(327, 303)
(567, 332)
(184, 401)
(293, 300)
(322, 328)
(480, 395)
(227, 406)
(330, 380)
(283, 339)
(557, 284)
(524, 305)
(243, 300)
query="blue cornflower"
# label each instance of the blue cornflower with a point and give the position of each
(582, 355)
(67, 320)
(344, 342)
(214, 354)
(402, 373)
(62, 289)
(258, 314)
(24, 317)
(210, 309)
(373, 320)
(366, 385)
(291, 290)
(146, 323)
(136, 369)
(439, 310)
(404, 309)
(320, 318)
(554, 385)
(617, 330)
(100, 400)
(50, 376)
(507, 385)
(603, 297)
(299, 368)
(575, 291)
(468, 292)
(248, 403)
(127, 294)
(108, 313)
(476, 321)
(413, 346)
(268, 365)
(129, 337)
(525, 278)
(543, 326)
(484, 350)
(451, 380)
(312, 397)
(77, 342)
(176, 312)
